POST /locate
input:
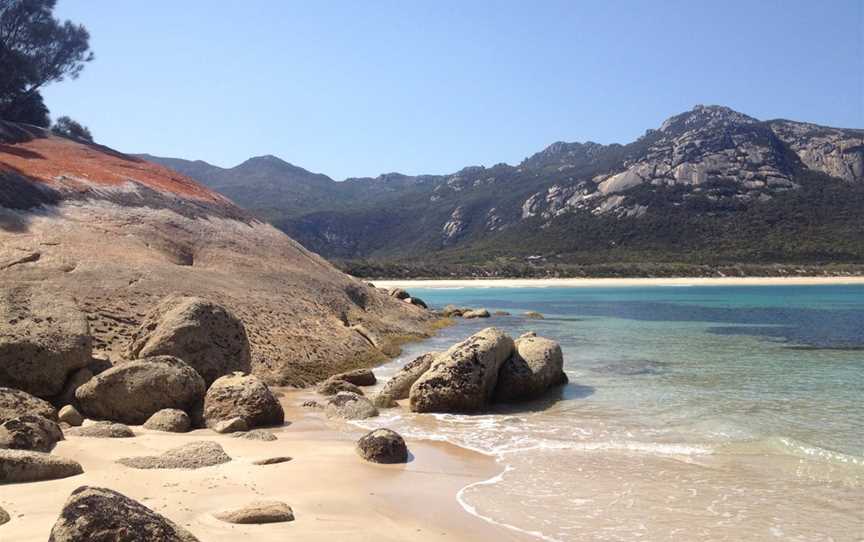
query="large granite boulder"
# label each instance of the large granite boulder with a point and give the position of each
(349, 406)
(203, 334)
(95, 514)
(383, 446)
(463, 378)
(400, 383)
(43, 338)
(536, 365)
(30, 432)
(170, 420)
(17, 466)
(14, 403)
(195, 455)
(243, 396)
(257, 513)
(132, 391)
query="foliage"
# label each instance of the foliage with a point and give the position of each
(36, 49)
(67, 127)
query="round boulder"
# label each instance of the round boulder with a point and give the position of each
(18, 466)
(350, 406)
(101, 515)
(170, 420)
(203, 334)
(30, 432)
(132, 391)
(383, 446)
(536, 365)
(14, 403)
(43, 339)
(243, 396)
(69, 414)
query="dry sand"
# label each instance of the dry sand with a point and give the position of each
(335, 495)
(589, 282)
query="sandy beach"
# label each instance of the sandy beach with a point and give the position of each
(595, 282)
(335, 495)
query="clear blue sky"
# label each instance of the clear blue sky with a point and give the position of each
(361, 87)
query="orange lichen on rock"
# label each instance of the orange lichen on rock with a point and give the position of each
(68, 165)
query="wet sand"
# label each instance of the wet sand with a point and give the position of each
(335, 495)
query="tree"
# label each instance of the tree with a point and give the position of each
(67, 127)
(36, 49)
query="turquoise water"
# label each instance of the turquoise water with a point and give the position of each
(701, 413)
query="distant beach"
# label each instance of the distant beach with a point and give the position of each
(589, 282)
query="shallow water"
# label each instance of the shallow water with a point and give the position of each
(693, 413)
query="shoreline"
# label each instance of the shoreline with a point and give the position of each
(618, 282)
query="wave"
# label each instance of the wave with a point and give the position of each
(779, 445)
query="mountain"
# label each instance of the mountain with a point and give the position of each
(710, 187)
(115, 234)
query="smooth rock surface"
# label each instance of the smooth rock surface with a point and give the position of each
(95, 514)
(18, 466)
(70, 415)
(132, 391)
(205, 335)
(463, 378)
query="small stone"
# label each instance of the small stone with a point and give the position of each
(231, 425)
(69, 414)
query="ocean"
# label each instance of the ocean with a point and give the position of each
(692, 413)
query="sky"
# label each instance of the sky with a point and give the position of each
(363, 87)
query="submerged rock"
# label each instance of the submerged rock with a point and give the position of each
(132, 391)
(475, 313)
(257, 513)
(536, 365)
(194, 455)
(463, 378)
(17, 466)
(533, 315)
(95, 514)
(205, 335)
(383, 446)
(243, 396)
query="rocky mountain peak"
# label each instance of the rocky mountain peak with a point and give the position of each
(711, 117)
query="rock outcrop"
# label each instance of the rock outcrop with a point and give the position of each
(132, 391)
(257, 513)
(463, 378)
(30, 432)
(195, 455)
(383, 446)
(349, 406)
(169, 420)
(15, 403)
(536, 365)
(43, 338)
(102, 515)
(18, 466)
(205, 335)
(243, 396)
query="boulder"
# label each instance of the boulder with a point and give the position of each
(400, 383)
(231, 425)
(43, 339)
(463, 378)
(350, 406)
(383, 446)
(102, 430)
(75, 381)
(257, 512)
(451, 310)
(203, 334)
(14, 403)
(194, 455)
(17, 466)
(475, 313)
(358, 377)
(244, 396)
(30, 432)
(536, 365)
(132, 391)
(272, 460)
(169, 420)
(534, 315)
(70, 415)
(501, 313)
(4, 516)
(334, 385)
(398, 293)
(416, 301)
(102, 515)
(256, 434)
